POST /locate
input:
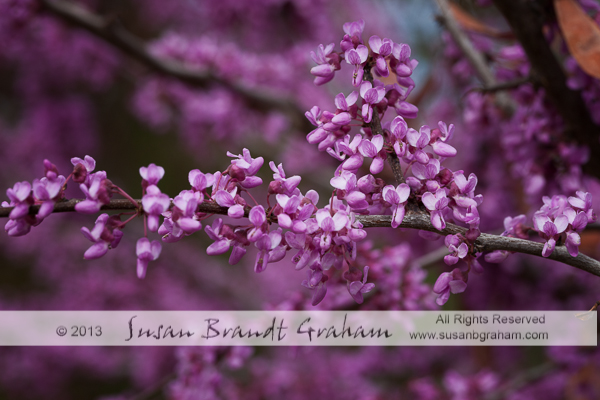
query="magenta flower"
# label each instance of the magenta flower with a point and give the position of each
(327, 63)
(105, 235)
(349, 190)
(97, 193)
(397, 197)
(317, 282)
(371, 95)
(358, 288)
(329, 225)
(151, 174)
(154, 203)
(231, 200)
(82, 168)
(398, 128)
(427, 171)
(550, 230)
(249, 165)
(20, 198)
(345, 104)
(345, 147)
(382, 48)
(449, 282)
(401, 62)
(372, 149)
(200, 181)
(354, 29)
(287, 185)
(270, 250)
(515, 227)
(215, 232)
(146, 252)
(419, 140)
(436, 204)
(457, 249)
(258, 218)
(49, 191)
(182, 219)
(357, 57)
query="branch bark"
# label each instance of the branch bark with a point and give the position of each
(527, 19)
(118, 36)
(412, 220)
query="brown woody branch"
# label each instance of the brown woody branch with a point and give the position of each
(412, 220)
(527, 18)
(118, 36)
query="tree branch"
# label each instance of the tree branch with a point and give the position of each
(475, 58)
(486, 242)
(115, 34)
(526, 19)
(412, 220)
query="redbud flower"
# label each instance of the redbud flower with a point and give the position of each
(200, 181)
(82, 168)
(449, 282)
(382, 48)
(550, 229)
(357, 57)
(20, 198)
(105, 235)
(152, 174)
(436, 204)
(397, 197)
(154, 203)
(97, 193)
(270, 250)
(221, 244)
(48, 190)
(258, 218)
(371, 95)
(372, 149)
(358, 288)
(290, 184)
(146, 252)
(457, 249)
(328, 62)
(317, 282)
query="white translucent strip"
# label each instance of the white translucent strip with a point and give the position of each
(297, 328)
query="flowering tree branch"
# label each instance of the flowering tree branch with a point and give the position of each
(412, 220)
(526, 19)
(113, 33)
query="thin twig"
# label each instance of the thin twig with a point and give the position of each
(118, 36)
(475, 58)
(412, 220)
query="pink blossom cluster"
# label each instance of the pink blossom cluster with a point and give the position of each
(44, 192)
(558, 221)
